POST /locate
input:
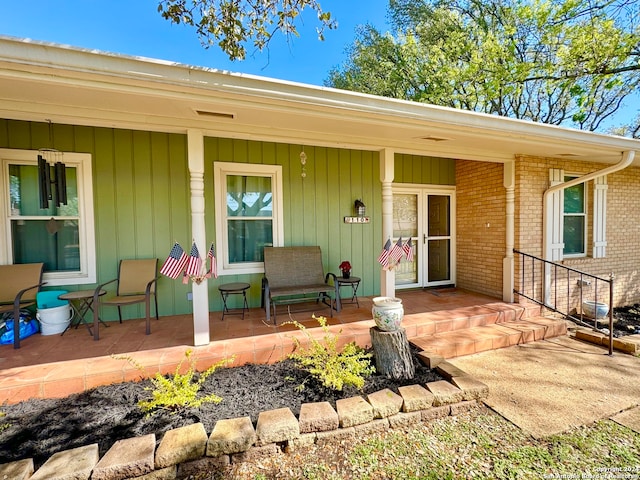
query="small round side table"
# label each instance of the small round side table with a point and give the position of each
(354, 282)
(81, 302)
(237, 288)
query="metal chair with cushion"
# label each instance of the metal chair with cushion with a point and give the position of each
(19, 285)
(136, 283)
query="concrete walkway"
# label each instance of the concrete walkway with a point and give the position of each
(550, 386)
(629, 418)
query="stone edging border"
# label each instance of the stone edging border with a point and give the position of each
(629, 344)
(186, 450)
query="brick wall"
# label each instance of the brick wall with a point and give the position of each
(623, 226)
(481, 226)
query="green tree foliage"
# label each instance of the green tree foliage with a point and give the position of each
(569, 62)
(232, 24)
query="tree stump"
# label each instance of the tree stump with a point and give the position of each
(393, 354)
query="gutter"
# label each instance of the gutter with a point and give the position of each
(626, 161)
(66, 66)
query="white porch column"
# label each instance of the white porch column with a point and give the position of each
(508, 269)
(195, 145)
(387, 277)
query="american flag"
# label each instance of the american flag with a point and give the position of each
(194, 266)
(408, 250)
(383, 258)
(175, 262)
(397, 251)
(213, 266)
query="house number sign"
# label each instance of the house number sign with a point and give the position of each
(356, 219)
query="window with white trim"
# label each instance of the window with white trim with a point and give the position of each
(570, 217)
(62, 237)
(575, 220)
(249, 215)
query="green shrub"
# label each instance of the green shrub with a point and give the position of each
(332, 367)
(3, 426)
(180, 390)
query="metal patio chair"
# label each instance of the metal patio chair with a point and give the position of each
(136, 283)
(19, 285)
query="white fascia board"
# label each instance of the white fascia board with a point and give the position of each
(127, 73)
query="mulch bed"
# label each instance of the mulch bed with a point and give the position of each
(39, 428)
(626, 320)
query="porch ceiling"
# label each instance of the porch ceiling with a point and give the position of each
(40, 82)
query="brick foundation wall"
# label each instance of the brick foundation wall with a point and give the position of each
(481, 226)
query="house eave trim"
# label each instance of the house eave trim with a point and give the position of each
(159, 78)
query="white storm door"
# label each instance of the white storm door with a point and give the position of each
(426, 217)
(438, 240)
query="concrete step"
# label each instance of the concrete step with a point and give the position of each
(462, 318)
(466, 341)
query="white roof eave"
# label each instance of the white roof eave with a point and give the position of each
(149, 77)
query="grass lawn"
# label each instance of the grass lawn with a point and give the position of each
(475, 444)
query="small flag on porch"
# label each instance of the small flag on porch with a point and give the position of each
(383, 258)
(194, 266)
(397, 251)
(408, 250)
(213, 266)
(175, 262)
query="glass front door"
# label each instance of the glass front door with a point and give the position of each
(425, 217)
(406, 224)
(438, 239)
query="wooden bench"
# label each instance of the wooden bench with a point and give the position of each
(295, 275)
(19, 285)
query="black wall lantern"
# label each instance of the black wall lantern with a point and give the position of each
(360, 211)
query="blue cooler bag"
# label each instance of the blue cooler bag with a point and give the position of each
(28, 327)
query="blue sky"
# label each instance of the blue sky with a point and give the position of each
(134, 27)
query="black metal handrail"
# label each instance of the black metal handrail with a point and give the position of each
(545, 293)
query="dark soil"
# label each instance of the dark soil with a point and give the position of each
(626, 320)
(39, 428)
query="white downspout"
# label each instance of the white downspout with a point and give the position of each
(627, 159)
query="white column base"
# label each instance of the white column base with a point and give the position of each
(388, 283)
(508, 279)
(200, 313)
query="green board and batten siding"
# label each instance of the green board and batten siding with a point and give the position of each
(142, 201)
(314, 206)
(139, 209)
(414, 169)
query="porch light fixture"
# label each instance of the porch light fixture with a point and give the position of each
(303, 162)
(360, 211)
